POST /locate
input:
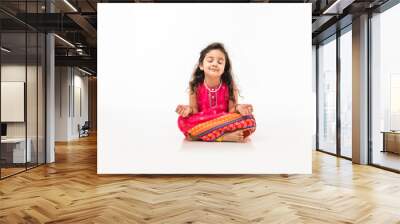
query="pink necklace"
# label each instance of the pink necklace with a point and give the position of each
(212, 96)
(213, 90)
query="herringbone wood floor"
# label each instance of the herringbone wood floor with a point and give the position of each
(70, 191)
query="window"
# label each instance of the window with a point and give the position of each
(346, 93)
(385, 89)
(327, 96)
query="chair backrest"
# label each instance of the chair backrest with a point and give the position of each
(86, 125)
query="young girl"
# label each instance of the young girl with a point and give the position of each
(213, 113)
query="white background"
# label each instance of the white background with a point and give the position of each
(146, 55)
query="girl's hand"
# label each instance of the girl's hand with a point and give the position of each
(244, 109)
(183, 110)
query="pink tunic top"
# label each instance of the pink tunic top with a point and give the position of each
(210, 104)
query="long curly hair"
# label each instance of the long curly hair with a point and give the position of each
(198, 74)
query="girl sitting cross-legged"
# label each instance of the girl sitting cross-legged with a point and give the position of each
(213, 113)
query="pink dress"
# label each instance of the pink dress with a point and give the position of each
(210, 105)
(213, 119)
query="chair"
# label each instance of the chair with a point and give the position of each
(84, 130)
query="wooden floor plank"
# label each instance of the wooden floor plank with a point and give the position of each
(70, 191)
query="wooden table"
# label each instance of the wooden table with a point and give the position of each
(13, 150)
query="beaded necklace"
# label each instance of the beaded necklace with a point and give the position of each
(212, 94)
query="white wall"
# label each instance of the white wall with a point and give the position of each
(79, 117)
(138, 91)
(62, 81)
(68, 83)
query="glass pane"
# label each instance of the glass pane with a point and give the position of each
(386, 89)
(327, 96)
(31, 84)
(41, 98)
(13, 86)
(32, 95)
(22, 88)
(314, 87)
(346, 93)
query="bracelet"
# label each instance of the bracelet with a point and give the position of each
(220, 139)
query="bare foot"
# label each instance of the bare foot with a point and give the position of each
(188, 138)
(236, 136)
